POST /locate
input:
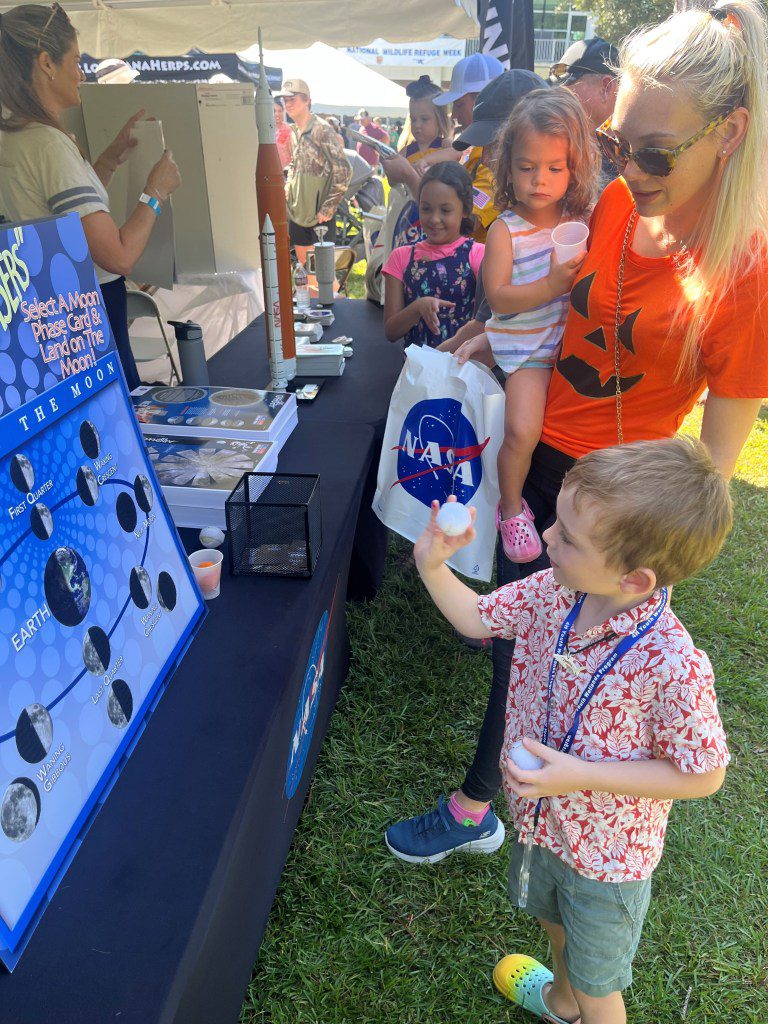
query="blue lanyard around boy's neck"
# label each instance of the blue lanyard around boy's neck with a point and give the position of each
(586, 696)
(600, 673)
(602, 670)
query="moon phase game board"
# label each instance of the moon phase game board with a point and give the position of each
(97, 600)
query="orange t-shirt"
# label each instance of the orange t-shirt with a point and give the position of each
(733, 361)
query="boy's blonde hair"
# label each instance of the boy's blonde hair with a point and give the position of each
(663, 505)
(721, 63)
(552, 112)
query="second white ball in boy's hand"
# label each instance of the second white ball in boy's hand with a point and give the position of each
(524, 759)
(454, 519)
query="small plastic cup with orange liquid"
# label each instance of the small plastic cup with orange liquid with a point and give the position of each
(206, 565)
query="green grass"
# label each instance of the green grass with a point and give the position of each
(356, 281)
(356, 937)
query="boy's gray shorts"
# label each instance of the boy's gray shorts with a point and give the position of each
(602, 920)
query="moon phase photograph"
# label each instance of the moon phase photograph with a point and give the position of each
(97, 651)
(126, 512)
(67, 586)
(20, 810)
(120, 704)
(142, 490)
(170, 396)
(22, 473)
(87, 486)
(89, 439)
(34, 733)
(166, 591)
(41, 521)
(141, 587)
(234, 398)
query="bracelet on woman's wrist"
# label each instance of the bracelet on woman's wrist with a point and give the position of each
(151, 202)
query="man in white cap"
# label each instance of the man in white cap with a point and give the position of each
(469, 77)
(318, 175)
(114, 71)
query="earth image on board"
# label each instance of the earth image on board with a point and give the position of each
(67, 586)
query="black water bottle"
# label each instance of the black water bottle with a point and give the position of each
(189, 339)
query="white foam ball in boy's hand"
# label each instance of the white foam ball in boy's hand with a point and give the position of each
(524, 759)
(454, 519)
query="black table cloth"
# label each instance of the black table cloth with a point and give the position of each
(160, 915)
(360, 396)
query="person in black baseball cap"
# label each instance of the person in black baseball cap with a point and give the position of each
(587, 68)
(494, 104)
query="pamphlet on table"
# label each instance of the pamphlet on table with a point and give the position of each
(197, 473)
(244, 413)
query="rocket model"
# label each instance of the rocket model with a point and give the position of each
(270, 197)
(277, 364)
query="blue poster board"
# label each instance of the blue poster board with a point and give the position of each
(97, 600)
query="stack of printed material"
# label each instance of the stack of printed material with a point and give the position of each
(202, 439)
(319, 360)
(242, 413)
(197, 473)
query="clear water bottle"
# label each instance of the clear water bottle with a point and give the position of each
(301, 283)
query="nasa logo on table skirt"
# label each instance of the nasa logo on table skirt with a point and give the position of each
(439, 453)
(306, 711)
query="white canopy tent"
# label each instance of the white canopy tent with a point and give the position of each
(339, 83)
(114, 28)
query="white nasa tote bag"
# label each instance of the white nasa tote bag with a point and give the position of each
(444, 429)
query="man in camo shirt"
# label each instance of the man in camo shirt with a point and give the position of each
(318, 175)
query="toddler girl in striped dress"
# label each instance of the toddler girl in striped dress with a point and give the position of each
(546, 171)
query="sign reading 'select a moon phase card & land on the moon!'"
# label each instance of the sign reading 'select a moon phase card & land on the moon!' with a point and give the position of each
(97, 601)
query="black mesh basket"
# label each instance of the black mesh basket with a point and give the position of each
(274, 524)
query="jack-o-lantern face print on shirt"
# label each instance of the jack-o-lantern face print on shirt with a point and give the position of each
(579, 370)
(581, 406)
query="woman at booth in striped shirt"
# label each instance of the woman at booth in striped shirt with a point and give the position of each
(42, 171)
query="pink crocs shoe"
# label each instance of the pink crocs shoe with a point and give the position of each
(519, 539)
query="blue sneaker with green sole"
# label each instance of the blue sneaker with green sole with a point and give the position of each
(435, 835)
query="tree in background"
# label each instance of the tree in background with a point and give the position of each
(617, 18)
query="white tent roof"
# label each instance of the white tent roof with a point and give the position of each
(114, 28)
(339, 83)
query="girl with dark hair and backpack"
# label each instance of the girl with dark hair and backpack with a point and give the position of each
(431, 285)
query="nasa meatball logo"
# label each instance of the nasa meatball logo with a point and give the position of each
(309, 702)
(407, 230)
(306, 712)
(439, 453)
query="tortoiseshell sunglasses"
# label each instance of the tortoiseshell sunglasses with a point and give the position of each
(656, 162)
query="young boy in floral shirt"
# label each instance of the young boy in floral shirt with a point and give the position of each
(608, 678)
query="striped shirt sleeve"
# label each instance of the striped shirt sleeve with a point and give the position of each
(68, 182)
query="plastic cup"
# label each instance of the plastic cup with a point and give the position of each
(569, 240)
(206, 565)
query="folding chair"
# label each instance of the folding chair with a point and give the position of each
(146, 349)
(344, 261)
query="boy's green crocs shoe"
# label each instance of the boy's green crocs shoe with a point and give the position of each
(522, 980)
